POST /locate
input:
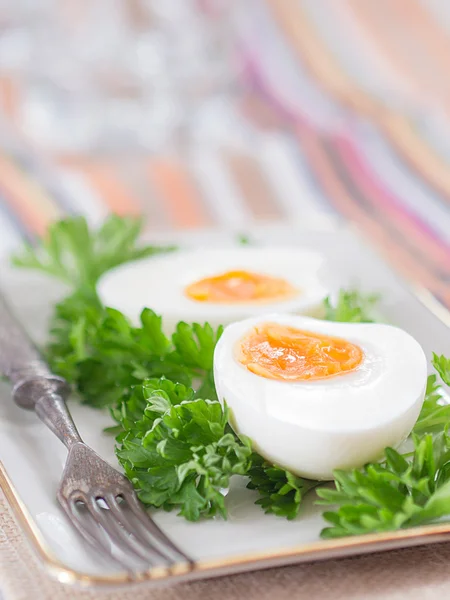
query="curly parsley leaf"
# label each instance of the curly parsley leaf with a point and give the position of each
(104, 355)
(394, 494)
(351, 306)
(403, 490)
(435, 412)
(243, 239)
(96, 348)
(73, 325)
(281, 492)
(78, 255)
(194, 345)
(442, 366)
(161, 393)
(177, 450)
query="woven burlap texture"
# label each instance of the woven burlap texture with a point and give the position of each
(418, 573)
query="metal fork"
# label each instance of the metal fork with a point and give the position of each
(99, 501)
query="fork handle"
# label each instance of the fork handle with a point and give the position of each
(53, 412)
(19, 357)
(35, 386)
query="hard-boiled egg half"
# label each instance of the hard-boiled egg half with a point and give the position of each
(314, 396)
(217, 285)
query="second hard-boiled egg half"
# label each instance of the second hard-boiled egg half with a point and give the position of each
(314, 396)
(217, 285)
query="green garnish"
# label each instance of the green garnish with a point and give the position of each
(78, 255)
(104, 356)
(402, 490)
(351, 307)
(281, 492)
(394, 494)
(96, 348)
(178, 450)
(442, 366)
(243, 239)
(435, 412)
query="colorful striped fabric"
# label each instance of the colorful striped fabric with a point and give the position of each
(344, 110)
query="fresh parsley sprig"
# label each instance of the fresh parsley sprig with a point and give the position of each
(435, 412)
(351, 306)
(402, 490)
(281, 492)
(442, 366)
(104, 355)
(78, 255)
(96, 348)
(394, 494)
(178, 450)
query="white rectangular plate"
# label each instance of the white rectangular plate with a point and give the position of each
(33, 458)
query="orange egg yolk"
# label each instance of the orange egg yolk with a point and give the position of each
(288, 354)
(234, 287)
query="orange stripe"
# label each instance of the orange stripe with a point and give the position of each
(34, 207)
(109, 185)
(256, 110)
(254, 186)
(431, 39)
(178, 193)
(134, 173)
(423, 159)
(9, 97)
(370, 28)
(336, 190)
(137, 15)
(373, 19)
(317, 57)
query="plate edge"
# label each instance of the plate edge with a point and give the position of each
(320, 550)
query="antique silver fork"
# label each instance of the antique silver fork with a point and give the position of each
(99, 501)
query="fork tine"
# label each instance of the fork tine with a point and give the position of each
(129, 535)
(120, 536)
(146, 541)
(139, 512)
(93, 536)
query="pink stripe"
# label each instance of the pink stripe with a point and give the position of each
(383, 199)
(254, 74)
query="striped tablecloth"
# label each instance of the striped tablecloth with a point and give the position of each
(343, 109)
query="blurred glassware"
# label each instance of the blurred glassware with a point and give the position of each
(112, 75)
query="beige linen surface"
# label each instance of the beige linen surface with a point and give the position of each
(417, 574)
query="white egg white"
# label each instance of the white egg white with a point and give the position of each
(340, 422)
(160, 282)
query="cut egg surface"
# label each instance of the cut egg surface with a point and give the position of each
(315, 396)
(218, 285)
